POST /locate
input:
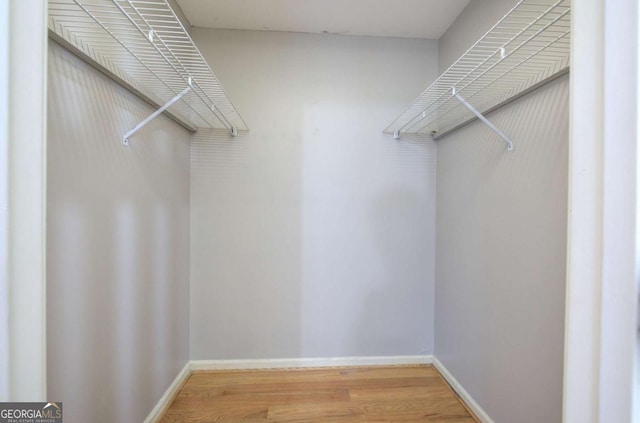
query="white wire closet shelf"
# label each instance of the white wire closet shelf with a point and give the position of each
(144, 44)
(528, 47)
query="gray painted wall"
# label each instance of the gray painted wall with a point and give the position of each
(117, 248)
(501, 246)
(313, 235)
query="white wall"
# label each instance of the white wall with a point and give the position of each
(4, 200)
(602, 282)
(501, 247)
(27, 93)
(118, 248)
(313, 234)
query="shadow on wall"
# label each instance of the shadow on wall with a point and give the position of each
(368, 236)
(403, 224)
(401, 305)
(245, 244)
(288, 234)
(501, 252)
(117, 247)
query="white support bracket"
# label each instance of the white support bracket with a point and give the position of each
(480, 116)
(125, 139)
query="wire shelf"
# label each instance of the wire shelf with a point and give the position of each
(526, 47)
(144, 44)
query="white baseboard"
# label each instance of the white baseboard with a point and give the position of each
(169, 395)
(204, 365)
(464, 395)
(281, 363)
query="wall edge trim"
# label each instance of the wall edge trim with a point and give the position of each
(170, 394)
(465, 396)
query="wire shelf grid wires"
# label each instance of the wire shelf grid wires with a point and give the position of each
(527, 46)
(143, 43)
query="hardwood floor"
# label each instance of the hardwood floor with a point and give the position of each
(354, 394)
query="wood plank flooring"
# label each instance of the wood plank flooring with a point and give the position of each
(354, 394)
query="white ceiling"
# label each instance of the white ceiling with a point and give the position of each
(385, 18)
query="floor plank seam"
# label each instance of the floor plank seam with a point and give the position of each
(354, 394)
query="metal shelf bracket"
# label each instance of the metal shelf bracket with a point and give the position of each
(480, 116)
(125, 139)
(526, 49)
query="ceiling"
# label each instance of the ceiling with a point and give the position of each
(384, 18)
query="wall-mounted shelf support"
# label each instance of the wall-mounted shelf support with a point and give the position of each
(144, 46)
(529, 47)
(152, 116)
(480, 116)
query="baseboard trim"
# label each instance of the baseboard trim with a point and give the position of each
(165, 401)
(286, 363)
(282, 363)
(462, 393)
